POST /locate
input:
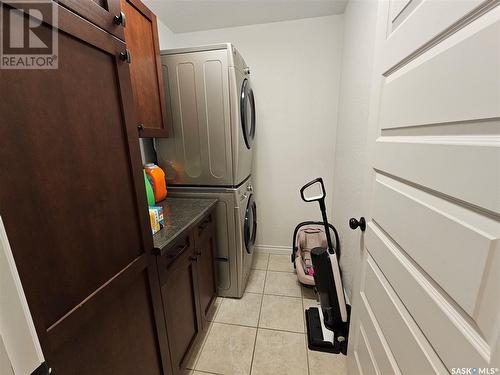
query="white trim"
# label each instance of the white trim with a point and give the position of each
(16, 324)
(272, 249)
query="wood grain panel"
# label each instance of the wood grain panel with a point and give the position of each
(440, 321)
(141, 35)
(446, 235)
(70, 216)
(99, 12)
(73, 201)
(181, 305)
(117, 340)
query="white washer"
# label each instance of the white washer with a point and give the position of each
(212, 106)
(236, 225)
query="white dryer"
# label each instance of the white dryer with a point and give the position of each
(212, 111)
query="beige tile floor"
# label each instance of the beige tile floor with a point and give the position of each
(263, 332)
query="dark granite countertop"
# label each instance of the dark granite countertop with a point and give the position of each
(180, 215)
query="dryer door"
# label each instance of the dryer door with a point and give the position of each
(250, 225)
(247, 112)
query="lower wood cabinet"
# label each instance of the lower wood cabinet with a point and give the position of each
(205, 251)
(188, 288)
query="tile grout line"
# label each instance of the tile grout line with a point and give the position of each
(280, 330)
(207, 372)
(281, 271)
(258, 327)
(282, 295)
(258, 322)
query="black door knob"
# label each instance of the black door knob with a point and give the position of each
(361, 223)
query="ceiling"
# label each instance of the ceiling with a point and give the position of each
(196, 15)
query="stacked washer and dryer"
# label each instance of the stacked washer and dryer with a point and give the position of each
(209, 150)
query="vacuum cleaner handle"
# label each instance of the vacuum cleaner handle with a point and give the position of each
(321, 200)
(314, 198)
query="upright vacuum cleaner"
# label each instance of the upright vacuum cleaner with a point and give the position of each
(328, 327)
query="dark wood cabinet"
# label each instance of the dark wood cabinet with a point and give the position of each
(187, 278)
(73, 203)
(205, 250)
(179, 288)
(104, 13)
(141, 36)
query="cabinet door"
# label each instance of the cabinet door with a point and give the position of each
(205, 250)
(141, 36)
(72, 200)
(181, 305)
(103, 13)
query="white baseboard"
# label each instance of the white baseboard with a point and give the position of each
(272, 249)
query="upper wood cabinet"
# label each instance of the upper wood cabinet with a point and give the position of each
(141, 37)
(80, 234)
(104, 13)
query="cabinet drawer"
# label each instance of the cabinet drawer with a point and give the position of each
(184, 244)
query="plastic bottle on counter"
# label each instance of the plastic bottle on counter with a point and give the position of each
(156, 177)
(149, 190)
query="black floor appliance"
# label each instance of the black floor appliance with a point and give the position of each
(328, 327)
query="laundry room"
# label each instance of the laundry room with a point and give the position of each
(249, 187)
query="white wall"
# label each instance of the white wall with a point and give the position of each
(165, 35)
(350, 156)
(295, 74)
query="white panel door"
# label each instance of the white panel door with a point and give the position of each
(427, 297)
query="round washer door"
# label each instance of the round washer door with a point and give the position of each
(247, 113)
(250, 225)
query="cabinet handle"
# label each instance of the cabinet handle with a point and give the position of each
(126, 56)
(120, 19)
(179, 249)
(193, 258)
(203, 224)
